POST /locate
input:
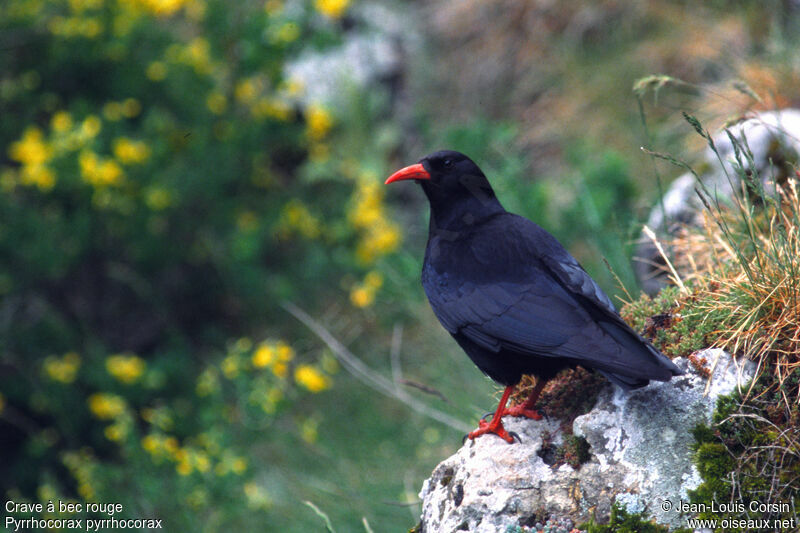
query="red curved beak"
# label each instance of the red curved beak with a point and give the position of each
(411, 172)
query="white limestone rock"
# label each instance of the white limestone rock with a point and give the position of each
(639, 457)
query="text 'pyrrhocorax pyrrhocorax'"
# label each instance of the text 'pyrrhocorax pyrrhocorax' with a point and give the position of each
(512, 297)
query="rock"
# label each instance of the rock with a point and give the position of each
(371, 53)
(640, 457)
(773, 139)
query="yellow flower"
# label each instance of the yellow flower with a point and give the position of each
(197, 54)
(273, 7)
(160, 417)
(281, 370)
(216, 102)
(159, 446)
(98, 171)
(61, 121)
(116, 432)
(331, 8)
(380, 239)
(292, 87)
(63, 369)
(112, 111)
(130, 152)
(152, 443)
(161, 8)
(308, 430)
(86, 491)
(81, 465)
(198, 498)
(184, 467)
(368, 209)
(156, 71)
(318, 122)
(243, 344)
(157, 198)
(90, 126)
(263, 356)
(257, 497)
(239, 465)
(272, 108)
(247, 90)
(373, 279)
(171, 446)
(40, 176)
(297, 217)
(106, 406)
(202, 462)
(125, 368)
(207, 382)
(231, 366)
(311, 378)
(131, 107)
(31, 150)
(82, 5)
(361, 296)
(284, 352)
(90, 27)
(266, 397)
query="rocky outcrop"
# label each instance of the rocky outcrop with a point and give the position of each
(639, 457)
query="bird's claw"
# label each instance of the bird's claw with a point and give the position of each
(514, 435)
(492, 427)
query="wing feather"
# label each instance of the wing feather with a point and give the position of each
(536, 299)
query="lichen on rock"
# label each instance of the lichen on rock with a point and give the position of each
(640, 456)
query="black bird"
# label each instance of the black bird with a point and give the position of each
(512, 297)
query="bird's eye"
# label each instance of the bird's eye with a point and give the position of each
(448, 163)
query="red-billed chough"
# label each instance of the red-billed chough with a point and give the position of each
(512, 297)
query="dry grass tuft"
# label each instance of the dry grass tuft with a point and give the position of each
(744, 269)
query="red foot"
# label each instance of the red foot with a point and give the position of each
(495, 426)
(522, 410)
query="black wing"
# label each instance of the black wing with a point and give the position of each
(518, 289)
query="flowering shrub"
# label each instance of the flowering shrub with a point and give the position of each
(154, 204)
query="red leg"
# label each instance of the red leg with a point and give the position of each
(496, 424)
(526, 408)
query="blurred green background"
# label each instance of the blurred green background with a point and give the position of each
(176, 174)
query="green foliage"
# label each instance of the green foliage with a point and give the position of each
(163, 188)
(623, 522)
(748, 451)
(604, 209)
(494, 146)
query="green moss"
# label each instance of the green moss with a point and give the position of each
(668, 320)
(714, 463)
(742, 451)
(573, 451)
(621, 521)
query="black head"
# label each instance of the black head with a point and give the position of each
(454, 185)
